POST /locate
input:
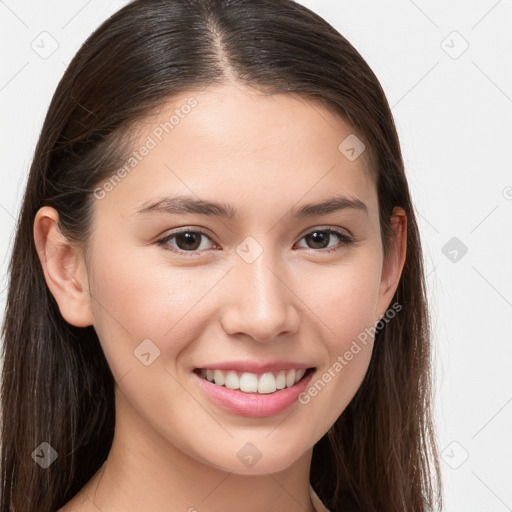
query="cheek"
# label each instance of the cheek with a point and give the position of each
(134, 301)
(344, 303)
(343, 298)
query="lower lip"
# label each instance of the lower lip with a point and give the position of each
(253, 405)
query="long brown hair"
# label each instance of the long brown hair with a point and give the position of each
(57, 387)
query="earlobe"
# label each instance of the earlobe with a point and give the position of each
(64, 269)
(395, 260)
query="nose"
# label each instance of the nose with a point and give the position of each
(261, 303)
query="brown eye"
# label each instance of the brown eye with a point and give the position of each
(185, 241)
(320, 238)
(188, 240)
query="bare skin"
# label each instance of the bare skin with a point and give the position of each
(174, 449)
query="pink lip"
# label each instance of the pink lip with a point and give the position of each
(253, 405)
(255, 367)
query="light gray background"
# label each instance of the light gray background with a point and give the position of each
(453, 110)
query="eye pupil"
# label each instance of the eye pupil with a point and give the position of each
(189, 237)
(319, 237)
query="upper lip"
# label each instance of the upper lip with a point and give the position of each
(257, 367)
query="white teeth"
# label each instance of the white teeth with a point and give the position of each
(249, 382)
(290, 378)
(266, 383)
(299, 374)
(218, 376)
(232, 381)
(253, 383)
(281, 380)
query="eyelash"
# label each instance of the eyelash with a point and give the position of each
(346, 240)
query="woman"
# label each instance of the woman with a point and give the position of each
(216, 291)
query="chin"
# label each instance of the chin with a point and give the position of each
(255, 458)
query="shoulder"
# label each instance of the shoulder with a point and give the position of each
(77, 504)
(316, 501)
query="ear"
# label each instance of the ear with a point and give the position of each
(394, 262)
(64, 269)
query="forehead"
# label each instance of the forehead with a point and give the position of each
(235, 143)
(246, 118)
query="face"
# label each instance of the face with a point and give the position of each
(260, 289)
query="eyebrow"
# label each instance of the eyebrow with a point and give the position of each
(189, 204)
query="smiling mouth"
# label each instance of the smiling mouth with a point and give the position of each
(247, 382)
